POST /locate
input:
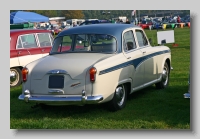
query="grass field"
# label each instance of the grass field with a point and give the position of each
(146, 109)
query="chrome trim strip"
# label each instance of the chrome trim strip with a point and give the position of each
(146, 84)
(135, 62)
(57, 91)
(57, 71)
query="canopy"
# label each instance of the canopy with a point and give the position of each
(22, 17)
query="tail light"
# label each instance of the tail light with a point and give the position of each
(24, 74)
(93, 72)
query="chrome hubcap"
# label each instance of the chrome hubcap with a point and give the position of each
(14, 77)
(165, 76)
(120, 95)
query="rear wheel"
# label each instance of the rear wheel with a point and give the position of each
(165, 78)
(119, 100)
(15, 77)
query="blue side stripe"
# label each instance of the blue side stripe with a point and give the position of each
(135, 62)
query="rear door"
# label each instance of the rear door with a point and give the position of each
(45, 41)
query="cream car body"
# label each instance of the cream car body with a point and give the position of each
(98, 72)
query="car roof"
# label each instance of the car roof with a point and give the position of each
(26, 31)
(108, 28)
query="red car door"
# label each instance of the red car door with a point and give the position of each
(30, 50)
(45, 41)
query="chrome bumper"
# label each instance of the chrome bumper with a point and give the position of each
(186, 95)
(65, 100)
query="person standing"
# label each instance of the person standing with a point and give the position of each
(74, 24)
(178, 19)
(127, 21)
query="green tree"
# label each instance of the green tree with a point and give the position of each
(72, 14)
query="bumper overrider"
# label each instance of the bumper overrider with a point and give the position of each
(64, 100)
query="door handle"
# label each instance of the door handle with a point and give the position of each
(19, 52)
(43, 50)
(128, 57)
(144, 52)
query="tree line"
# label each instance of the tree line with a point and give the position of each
(104, 14)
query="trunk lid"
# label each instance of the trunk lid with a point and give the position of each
(63, 74)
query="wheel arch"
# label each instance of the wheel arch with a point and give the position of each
(168, 63)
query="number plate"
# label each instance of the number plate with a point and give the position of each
(56, 81)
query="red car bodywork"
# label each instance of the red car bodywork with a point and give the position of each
(21, 52)
(145, 25)
(27, 45)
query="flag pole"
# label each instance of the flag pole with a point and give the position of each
(135, 17)
(131, 16)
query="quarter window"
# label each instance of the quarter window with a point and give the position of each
(19, 43)
(142, 41)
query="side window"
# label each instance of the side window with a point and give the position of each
(44, 39)
(129, 41)
(28, 41)
(82, 41)
(142, 40)
(62, 44)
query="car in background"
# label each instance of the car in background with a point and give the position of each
(94, 22)
(145, 24)
(187, 95)
(67, 27)
(84, 69)
(27, 45)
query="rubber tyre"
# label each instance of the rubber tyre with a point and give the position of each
(120, 98)
(165, 78)
(16, 80)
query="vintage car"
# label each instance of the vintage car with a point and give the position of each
(187, 95)
(84, 69)
(27, 45)
(146, 24)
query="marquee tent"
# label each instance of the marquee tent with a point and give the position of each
(22, 17)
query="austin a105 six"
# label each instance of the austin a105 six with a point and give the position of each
(96, 64)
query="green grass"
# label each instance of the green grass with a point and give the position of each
(146, 109)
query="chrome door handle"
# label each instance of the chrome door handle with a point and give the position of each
(19, 52)
(43, 50)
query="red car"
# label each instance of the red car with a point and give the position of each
(27, 45)
(145, 24)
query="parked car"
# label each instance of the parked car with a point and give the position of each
(27, 45)
(67, 27)
(92, 71)
(145, 24)
(94, 22)
(187, 95)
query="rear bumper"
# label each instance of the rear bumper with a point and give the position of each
(61, 100)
